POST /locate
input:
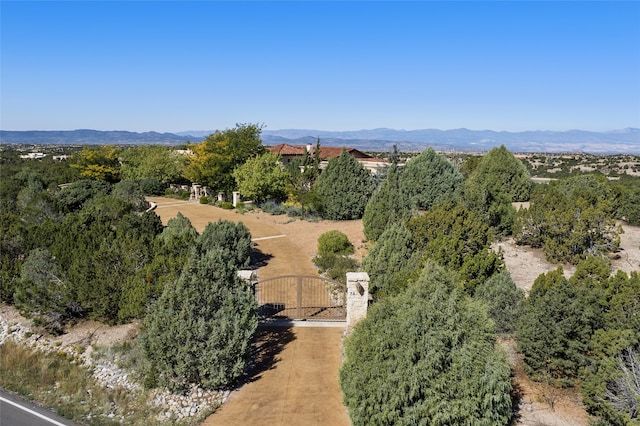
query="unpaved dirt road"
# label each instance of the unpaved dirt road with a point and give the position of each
(295, 377)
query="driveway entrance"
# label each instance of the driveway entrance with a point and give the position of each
(297, 297)
(294, 379)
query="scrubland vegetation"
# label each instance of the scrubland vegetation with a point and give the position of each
(426, 353)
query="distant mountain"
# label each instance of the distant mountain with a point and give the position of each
(625, 141)
(619, 141)
(92, 137)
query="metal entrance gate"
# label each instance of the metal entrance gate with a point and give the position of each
(301, 298)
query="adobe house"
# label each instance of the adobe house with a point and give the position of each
(289, 152)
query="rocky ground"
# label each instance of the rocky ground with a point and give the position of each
(80, 344)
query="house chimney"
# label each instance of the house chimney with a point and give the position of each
(309, 148)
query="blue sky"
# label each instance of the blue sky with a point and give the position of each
(175, 66)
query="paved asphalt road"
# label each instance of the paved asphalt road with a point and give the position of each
(15, 411)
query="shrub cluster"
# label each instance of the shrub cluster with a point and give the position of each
(334, 249)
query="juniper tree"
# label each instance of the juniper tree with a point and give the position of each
(344, 188)
(388, 205)
(426, 356)
(233, 238)
(390, 261)
(429, 179)
(458, 239)
(503, 300)
(571, 219)
(554, 330)
(42, 292)
(494, 184)
(200, 330)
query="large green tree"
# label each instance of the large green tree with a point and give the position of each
(200, 330)
(626, 199)
(494, 184)
(610, 381)
(73, 196)
(458, 239)
(570, 219)
(98, 163)
(231, 237)
(429, 179)
(214, 159)
(150, 161)
(13, 250)
(262, 178)
(426, 356)
(503, 300)
(170, 250)
(388, 205)
(555, 329)
(344, 188)
(391, 260)
(42, 293)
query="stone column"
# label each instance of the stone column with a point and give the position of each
(236, 198)
(221, 197)
(248, 276)
(357, 297)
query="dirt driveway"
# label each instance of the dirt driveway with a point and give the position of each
(295, 377)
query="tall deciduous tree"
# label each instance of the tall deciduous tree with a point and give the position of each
(215, 158)
(429, 179)
(427, 356)
(303, 173)
(262, 178)
(98, 163)
(156, 162)
(344, 188)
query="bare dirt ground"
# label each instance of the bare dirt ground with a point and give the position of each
(296, 240)
(525, 263)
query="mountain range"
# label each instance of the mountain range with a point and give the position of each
(625, 141)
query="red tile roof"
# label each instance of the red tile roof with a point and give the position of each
(326, 153)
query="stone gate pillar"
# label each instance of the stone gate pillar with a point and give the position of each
(236, 198)
(357, 297)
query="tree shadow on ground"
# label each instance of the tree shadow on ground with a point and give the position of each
(259, 259)
(268, 342)
(517, 395)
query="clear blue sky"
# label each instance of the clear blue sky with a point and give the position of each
(174, 66)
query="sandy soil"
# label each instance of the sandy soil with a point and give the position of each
(297, 240)
(525, 263)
